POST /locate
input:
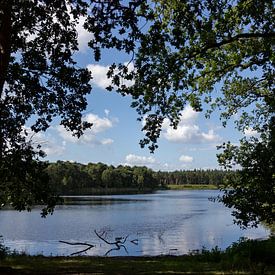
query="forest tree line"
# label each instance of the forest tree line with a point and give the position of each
(67, 177)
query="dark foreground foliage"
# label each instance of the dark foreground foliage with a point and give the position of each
(3, 249)
(244, 257)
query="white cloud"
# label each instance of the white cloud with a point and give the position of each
(132, 159)
(210, 136)
(249, 132)
(186, 159)
(66, 135)
(188, 114)
(183, 133)
(107, 141)
(90, 135)
(53, 149)
(107, 112)
(88, 138)
(99, 124)
(83, 35)
(152, 163)
(99, 74)
(48, 143)
(188, 131)
(156, 165)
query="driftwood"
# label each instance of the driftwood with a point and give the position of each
(118, 243)
(79, 243)
(135, 241)
(118, 240)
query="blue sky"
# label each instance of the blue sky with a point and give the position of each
(114, 138)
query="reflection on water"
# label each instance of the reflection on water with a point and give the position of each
(167, 222)
(95, 200)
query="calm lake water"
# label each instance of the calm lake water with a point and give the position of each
(166, 222)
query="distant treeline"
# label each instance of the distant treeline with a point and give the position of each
(67, 177)
(196, 176)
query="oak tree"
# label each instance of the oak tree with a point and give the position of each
(39, 80)
(219, 54)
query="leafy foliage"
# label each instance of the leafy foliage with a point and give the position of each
(24, 181)
(75, 178)
(191, 48)
(67, 177)
(3, 249)
(252, 189)
(39, 81)
(251, 252)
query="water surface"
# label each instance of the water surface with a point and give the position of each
(166, 222)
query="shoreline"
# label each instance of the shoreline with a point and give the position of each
(192, 187)
(251, 256)
(136, 191)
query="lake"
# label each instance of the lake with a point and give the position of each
(165, 222)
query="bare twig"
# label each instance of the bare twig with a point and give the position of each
(116, 248)
(81, 251)
(135, 241)
(118, 241)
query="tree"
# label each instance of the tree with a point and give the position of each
(251, 190)
(108, 177)
(38, 79)
(219, 53)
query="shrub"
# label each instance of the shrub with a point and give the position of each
(3, 249)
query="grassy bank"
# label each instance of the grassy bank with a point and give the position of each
(247, 257)
(192, 187)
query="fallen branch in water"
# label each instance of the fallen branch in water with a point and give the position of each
(79, 243)
(135, 241)
(116, 248)
(119, 241)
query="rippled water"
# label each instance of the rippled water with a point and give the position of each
(166, 222)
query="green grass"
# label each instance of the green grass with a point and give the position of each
(192, 187)
(95, 265)
(246, 257)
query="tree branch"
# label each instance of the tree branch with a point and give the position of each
(117, 248)
(79, 243)
(230, 40)
(118, 241)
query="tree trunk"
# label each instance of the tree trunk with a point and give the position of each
(5, 39)
(5, 51)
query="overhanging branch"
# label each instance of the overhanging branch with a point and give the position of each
(229, 40)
